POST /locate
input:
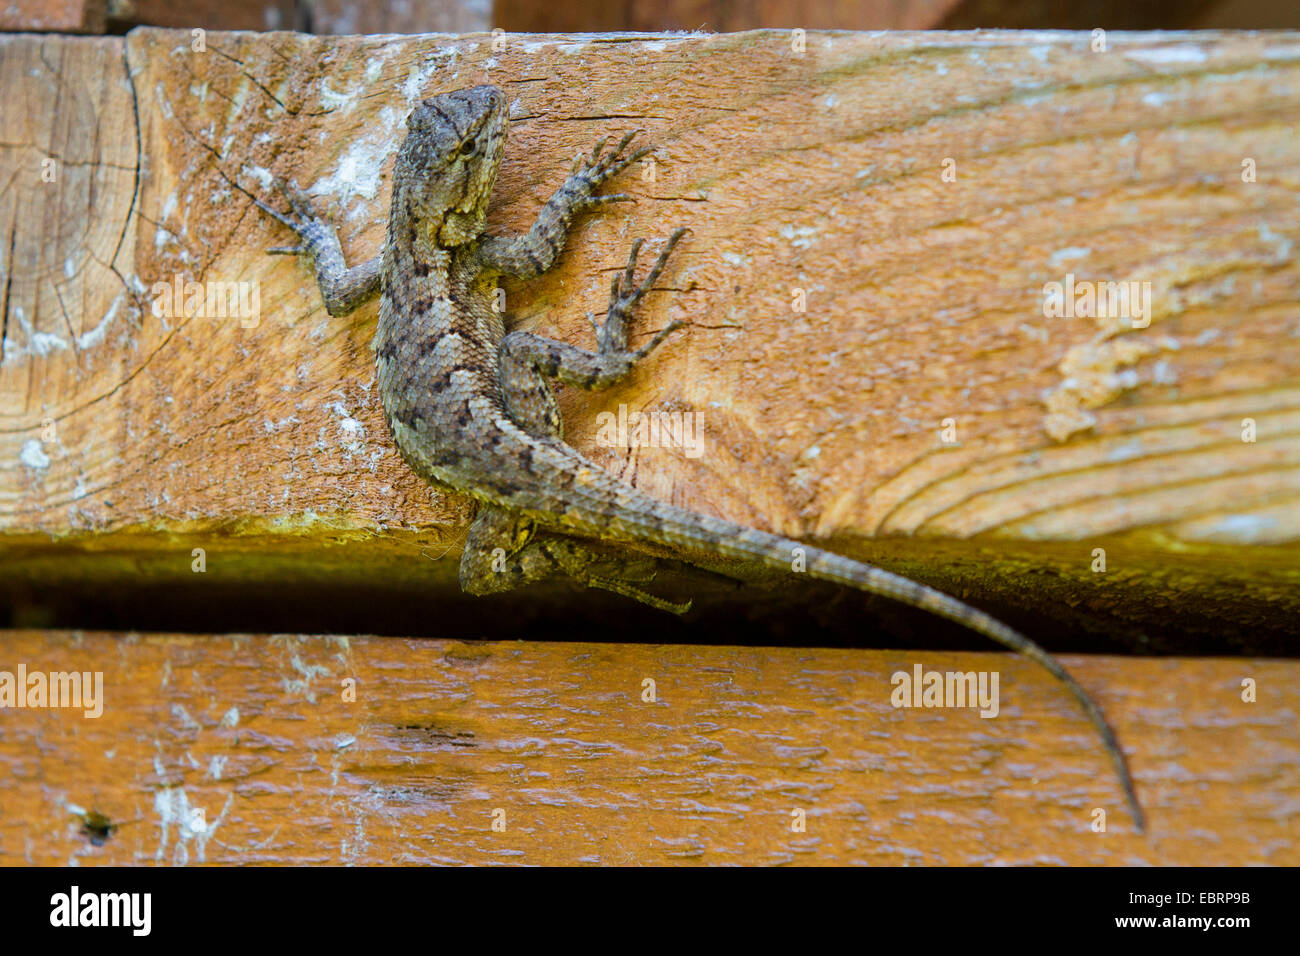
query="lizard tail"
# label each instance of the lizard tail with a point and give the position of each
(615, 510)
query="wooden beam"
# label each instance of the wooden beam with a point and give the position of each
(254, 735)
(64, 16)
(722, 16)
(811, 177)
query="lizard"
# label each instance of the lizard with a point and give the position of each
(471, 407)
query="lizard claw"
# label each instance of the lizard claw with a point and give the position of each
(628, 589)
(617, 197)
(591, 171)
(275, 214)
(624, 294)
(303, 219)
(617, 166)
(650, 346)
(629, 274)
(622, 143)
(298, 200)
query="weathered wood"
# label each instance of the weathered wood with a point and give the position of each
(208, 14)
(420, 16)
(128, 439)
(67, 16)
(722, 16)
(320, 16)
(254, 733)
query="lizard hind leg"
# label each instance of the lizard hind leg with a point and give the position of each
(522, 355)
(504, 551)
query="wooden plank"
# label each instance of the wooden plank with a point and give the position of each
(722, 16)
(64, 16)
(1106, 14)
(208, 14)
(412, 16)
(129, 439)
(254, 733)
(320, 16)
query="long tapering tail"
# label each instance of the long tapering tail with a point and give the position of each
(605, 507)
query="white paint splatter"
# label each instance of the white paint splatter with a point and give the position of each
(33, 456)
(333, 100)
(183, 717)
(352, 435)
(87, 340)
(1181, 53)
(173, 808)
(357, 174)
(1238, 529)
(1283, 253)
(801, 237)
(263, 175)
(1282, 53)
(1060, 256)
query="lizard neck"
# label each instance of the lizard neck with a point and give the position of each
(410, 232)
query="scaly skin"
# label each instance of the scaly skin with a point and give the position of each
(471, 406)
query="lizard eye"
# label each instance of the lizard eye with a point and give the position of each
(467, 148)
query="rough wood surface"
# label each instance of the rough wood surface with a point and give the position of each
(420, 16)
(254, 733)
(722, 16)
(209, 14)
(128, 439)
(66, 16)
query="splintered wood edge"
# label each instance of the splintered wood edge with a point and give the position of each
(922, 392)
(225, 749)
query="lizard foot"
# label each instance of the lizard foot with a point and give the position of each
(304, 221)
(591, 172)
(624, 294)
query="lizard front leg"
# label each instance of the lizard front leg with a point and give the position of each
(534, 252)
(522, 355)
(341, 288)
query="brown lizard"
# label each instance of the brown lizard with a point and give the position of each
(471, 407)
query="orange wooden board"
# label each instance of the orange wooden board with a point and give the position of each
(240, 749)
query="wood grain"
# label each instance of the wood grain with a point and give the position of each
(722, 16)
(65, 16)
(125, 436)
(210, 14)
(253, 732)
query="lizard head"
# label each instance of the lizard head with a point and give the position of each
(448, 164)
